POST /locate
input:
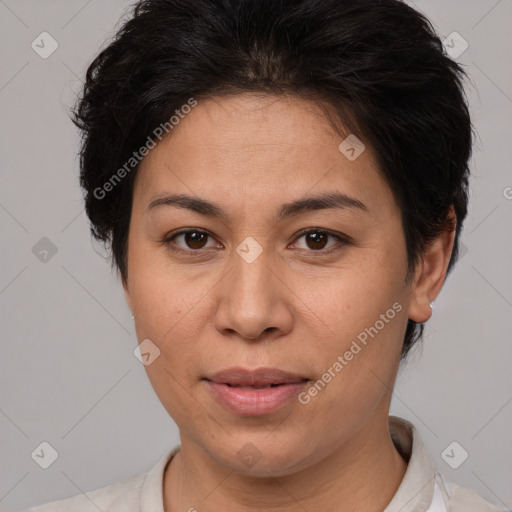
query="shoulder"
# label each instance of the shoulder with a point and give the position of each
(436, 493)
(143, 490)
(464, 499)
(124, 494)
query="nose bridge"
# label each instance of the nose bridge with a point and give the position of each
(251, 300)
(252, 285)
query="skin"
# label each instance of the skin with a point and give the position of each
(295, 307)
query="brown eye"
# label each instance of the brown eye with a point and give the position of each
(193, 239)
(317, 240)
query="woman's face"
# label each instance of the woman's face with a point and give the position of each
(245, 289)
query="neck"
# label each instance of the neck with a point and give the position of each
(361, 475)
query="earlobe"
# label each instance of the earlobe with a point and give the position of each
(127, 294)
(431, 272)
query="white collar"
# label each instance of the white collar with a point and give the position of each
(421, 486)
(438, 504)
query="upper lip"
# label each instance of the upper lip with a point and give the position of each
(257, 377)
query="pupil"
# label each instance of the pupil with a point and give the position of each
(315, 237)
(194, 239)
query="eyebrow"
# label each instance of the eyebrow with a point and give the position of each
(303, 205)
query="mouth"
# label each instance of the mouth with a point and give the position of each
(259, 378)
(256, 386)
(254, 392)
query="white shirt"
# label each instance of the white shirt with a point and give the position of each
(422, 489)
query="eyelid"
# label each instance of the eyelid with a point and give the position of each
(341, 238)
(169, 238)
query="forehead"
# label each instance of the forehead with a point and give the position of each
(248, 147)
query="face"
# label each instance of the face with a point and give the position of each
(243, 286)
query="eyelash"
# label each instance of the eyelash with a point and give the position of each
(342, 240)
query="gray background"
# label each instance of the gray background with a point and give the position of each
(68, 375)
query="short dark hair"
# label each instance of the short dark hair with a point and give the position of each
(378, 63)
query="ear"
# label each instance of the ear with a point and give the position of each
(127, 294)
(430, 273)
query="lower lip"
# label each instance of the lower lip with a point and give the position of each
(254, 402)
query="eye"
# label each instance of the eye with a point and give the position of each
(316, 240)
(194, 239)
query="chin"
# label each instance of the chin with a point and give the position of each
(261, 457)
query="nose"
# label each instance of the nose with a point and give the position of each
(254, 301)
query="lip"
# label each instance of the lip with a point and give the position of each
(254, 392)
(258, 377)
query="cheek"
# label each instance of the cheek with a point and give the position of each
(356, 367)
(362, 320)
(170, 315)
(348, 299)
(169, 307)
(162, 293)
